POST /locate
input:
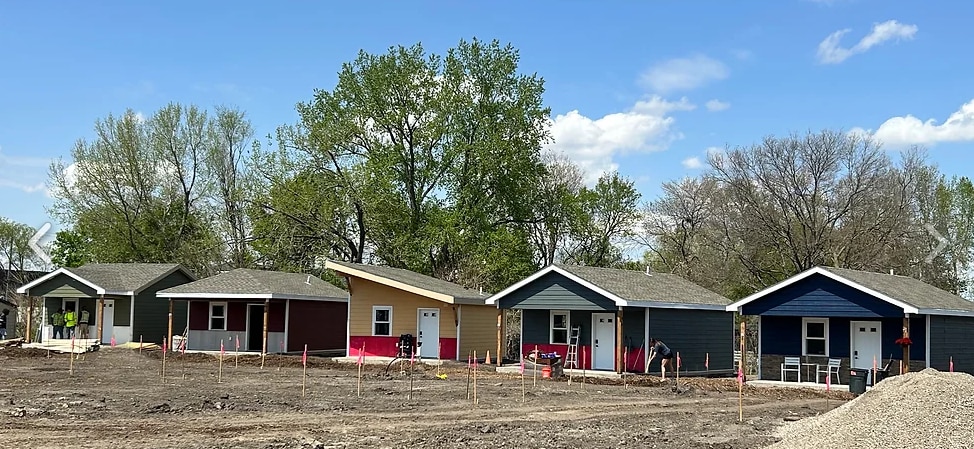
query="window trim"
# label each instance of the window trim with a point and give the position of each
(209, 323)
(805, 322)
(551, 326)
(374, 322)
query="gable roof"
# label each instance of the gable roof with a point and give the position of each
(910, 294)
(632, 288)
(245, 283)
(114, 278)
(410, 281)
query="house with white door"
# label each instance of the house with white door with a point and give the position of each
(608, 316)
(853, 318)
(261, 310)
(445, 320)
(119, 298)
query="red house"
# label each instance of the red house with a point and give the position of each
(233, 306)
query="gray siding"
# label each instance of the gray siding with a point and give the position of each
(951, 336)
(695, 333)
(123, 312)
(555, 292)
(537, 326)
(62, 286)
(152, 313)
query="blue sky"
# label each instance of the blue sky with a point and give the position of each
(643, 86)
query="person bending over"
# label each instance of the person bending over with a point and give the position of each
(658, 348)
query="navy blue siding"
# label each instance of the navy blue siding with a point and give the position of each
(951, 336)
(819, 296)
(695, 333)
(537, 325)
(555, 292)
(783, 336)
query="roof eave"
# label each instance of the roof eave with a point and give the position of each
(349, 271)
(24, 289)
(946, 312)
(736, 307)
(615, 298)
(677, 305)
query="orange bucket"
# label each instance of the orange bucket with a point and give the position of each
(546, 372)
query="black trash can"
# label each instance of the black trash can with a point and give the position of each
(857, 381)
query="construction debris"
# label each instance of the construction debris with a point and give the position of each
(15, 342)
(921, 409)
(79, 346)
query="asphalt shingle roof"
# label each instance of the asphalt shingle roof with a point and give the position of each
(912, 291)
(634, 285)
(249, 281)
(122, 277)
(418, 280)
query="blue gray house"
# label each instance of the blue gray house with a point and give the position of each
(616, 312)
(855, 316)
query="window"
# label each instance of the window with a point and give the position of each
(815, 336)
(559, 327)
(218, 316)
(381, 320)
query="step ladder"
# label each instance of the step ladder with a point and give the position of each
(571, 359)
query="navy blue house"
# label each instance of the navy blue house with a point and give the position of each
(616, 312)
(857, 316)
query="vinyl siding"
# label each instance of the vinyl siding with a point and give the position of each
(365, 294)
(783, 336)
(555, 292)
(152, 313)
(694, 334)
(819, 296)
(63, 286)
(478, 329)
(950, 336)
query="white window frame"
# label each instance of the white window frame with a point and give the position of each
(374, 322)
(805, 337)
(551, 326)
(209, 323)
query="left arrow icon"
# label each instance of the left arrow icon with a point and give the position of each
(36, 247)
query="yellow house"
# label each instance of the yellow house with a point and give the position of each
(446, 320)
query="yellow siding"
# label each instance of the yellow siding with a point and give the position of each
(478, 330)
(365, 294)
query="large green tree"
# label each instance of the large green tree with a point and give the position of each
(417, 160)
(158, 189)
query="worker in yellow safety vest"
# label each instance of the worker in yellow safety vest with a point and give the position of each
(70, 321)
(57, 321)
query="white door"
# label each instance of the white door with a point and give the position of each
(603, 341)
(108, 321)
(867, 342)
(429, 332)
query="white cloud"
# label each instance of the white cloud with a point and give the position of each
(909, 130)
(716, 105)
(741, 54)
(830, 51)
(592, 143)
(24, 173)
(692, 162)
(684, 74)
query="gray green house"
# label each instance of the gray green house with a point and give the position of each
(124, 294)
(616, 312)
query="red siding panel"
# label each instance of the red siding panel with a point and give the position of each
(448, 348)
(319, 324)
(275, 317)
(237, 316)
(374, 346)
(199, 315)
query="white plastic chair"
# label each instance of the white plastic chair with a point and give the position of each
(828, 370)
(792, 364)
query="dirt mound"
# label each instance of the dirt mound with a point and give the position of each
(923, 409)
(14, 352)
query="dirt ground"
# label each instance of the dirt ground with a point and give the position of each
(117, 398)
